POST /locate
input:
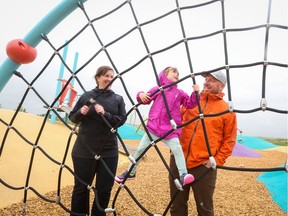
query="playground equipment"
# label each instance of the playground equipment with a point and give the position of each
(21, 52)
(72, 93)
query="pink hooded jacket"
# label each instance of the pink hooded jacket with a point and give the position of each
(158, 118)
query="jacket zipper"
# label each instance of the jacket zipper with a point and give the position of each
(190, 142)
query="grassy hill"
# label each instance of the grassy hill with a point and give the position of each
(276, 141)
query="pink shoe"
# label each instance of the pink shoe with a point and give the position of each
(186, 179)
(120, 178)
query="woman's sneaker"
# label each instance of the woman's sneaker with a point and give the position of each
(123, 175)
(186, 179)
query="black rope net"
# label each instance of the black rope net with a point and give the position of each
(101, 47)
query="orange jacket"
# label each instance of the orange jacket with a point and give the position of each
(221, 131)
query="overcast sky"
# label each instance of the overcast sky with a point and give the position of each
(244, 47)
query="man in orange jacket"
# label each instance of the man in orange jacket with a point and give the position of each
(204, 149)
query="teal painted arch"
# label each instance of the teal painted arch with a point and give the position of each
(33, 38)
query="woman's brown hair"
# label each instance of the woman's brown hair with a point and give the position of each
(101, 71)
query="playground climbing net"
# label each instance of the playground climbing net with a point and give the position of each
(186, 39)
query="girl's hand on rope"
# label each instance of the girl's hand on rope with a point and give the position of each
(196, 87)
(99, 109)
(84, 110)
(144, 97)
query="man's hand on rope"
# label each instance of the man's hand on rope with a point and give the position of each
(207, 164)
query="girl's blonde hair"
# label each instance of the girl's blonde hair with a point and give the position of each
(167, 69)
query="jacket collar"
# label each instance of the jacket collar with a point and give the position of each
(96, 90)
(212, 96)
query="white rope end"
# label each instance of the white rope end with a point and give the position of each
(132, 159)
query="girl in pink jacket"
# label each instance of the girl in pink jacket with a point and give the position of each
(159, 122)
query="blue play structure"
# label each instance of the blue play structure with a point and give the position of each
(34, 37)
(128, 132)
(276, 183)
(255, 143)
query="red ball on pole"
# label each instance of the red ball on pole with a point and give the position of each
(21, 52)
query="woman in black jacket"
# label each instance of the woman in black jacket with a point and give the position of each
(96, 143)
